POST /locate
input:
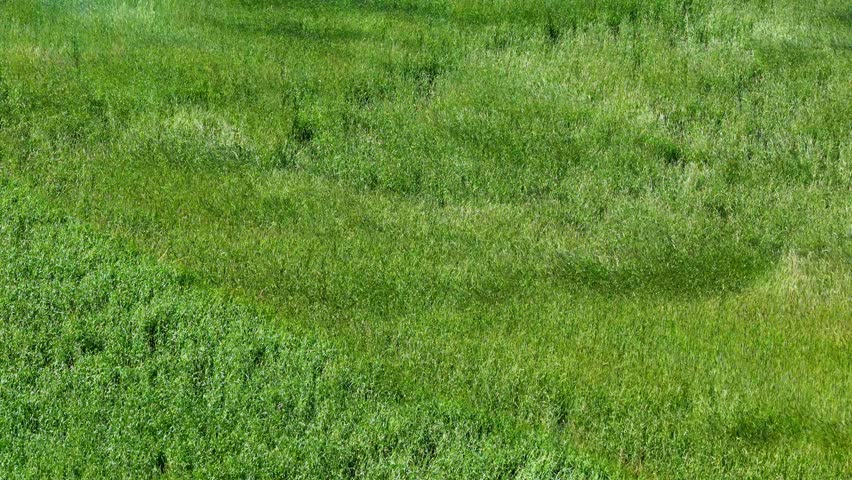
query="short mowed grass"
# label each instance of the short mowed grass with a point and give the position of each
(426, 239)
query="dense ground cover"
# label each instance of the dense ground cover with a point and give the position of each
(584, 238)
(115, 367)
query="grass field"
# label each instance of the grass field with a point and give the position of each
(426, 239)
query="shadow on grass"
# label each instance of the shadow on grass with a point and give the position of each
(702, 269)
(289, 28)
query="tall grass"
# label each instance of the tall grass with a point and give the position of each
(622, 225)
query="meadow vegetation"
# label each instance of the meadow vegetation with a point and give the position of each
(426, 238)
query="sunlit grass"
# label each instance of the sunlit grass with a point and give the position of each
(621, 227)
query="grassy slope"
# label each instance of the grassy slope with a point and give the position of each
(623, 223)
(118, 368)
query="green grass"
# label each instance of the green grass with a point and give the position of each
(120, 368)
(468, 239)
